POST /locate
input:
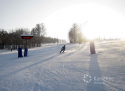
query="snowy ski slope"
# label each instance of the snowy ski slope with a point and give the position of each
(45, 69)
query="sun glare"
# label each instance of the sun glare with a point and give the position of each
(94, 20)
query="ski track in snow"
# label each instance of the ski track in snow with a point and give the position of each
(45, 69)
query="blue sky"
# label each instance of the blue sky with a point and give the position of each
(27, 13)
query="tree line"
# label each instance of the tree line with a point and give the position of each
(13, 39)
(76, 36)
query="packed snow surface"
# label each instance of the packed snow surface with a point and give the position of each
(45, 69)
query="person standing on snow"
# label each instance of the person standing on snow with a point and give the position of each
(63, 49)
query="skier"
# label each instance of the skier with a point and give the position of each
(63, 49)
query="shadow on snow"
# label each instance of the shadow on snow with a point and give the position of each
(95, 72)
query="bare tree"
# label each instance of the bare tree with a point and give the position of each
(38, 34)
(73, 33)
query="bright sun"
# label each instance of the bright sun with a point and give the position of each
(94, 20)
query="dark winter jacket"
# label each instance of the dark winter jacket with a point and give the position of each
(63, 48)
